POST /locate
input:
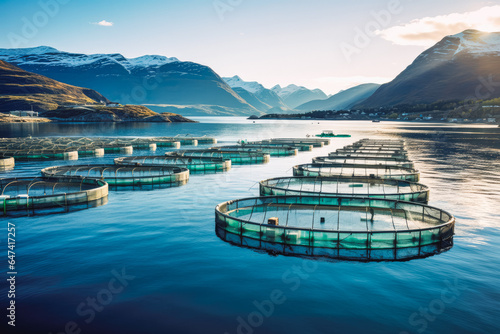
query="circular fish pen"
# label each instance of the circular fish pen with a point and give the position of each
(30, 196)
(393, 153)
(27, 155)
(364, 161)
(7, 163)
(188, 140)
(193, 163)
(380, 141)
(355, 187)
(366, 155)
(300, 147)
(89, 151)
(347, 228)
(352, 170)
(116, 148)
(123, 176)
(236, 157)
(377, 146)
(95, 146)
(315, 142)
(274, 151)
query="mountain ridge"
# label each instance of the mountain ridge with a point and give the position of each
(344, 99)
(294, 95)
(457, 67)
(141, 80)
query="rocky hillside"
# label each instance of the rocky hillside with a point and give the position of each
(22, 90)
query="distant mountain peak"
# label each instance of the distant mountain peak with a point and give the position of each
(236, 78)
(251, 86)
(469, 41)
(294, 95)
(38, 50)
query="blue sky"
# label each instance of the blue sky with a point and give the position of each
(311, 43)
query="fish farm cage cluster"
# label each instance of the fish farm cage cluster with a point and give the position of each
(71, 148)
(73, 187)
(222, 158)
(128, 172)
(360, 203)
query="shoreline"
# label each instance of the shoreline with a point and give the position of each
(368, 120)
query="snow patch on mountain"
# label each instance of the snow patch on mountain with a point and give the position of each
(154, 60)
(292, 89)
(48, 56)
(474, 41)
(286, 91)
(251, 86)
(25, 51)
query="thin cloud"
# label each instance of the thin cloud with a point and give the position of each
(103, 23)
(428, 30)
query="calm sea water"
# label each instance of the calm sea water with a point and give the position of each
(150, 262)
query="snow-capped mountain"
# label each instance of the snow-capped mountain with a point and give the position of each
(250, 86)
(255, 94)
(457, 67)
(152, 80)
(277, 98)
(294, 95)
(48, 56)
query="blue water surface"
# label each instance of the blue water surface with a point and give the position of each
(150, 262)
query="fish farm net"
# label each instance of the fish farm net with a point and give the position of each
(274, 151)
(357, 170)
(367, 155)
(236, 157)
(300, 147)
(336, 227)
(356, 187)
(124, 176)
(388, 153)
(363, 161)
(315, 142)
(27, 155)
(49, 147)
(31, 196)
(193, 163)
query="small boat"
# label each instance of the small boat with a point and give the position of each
(376, 121)
(329, 133)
